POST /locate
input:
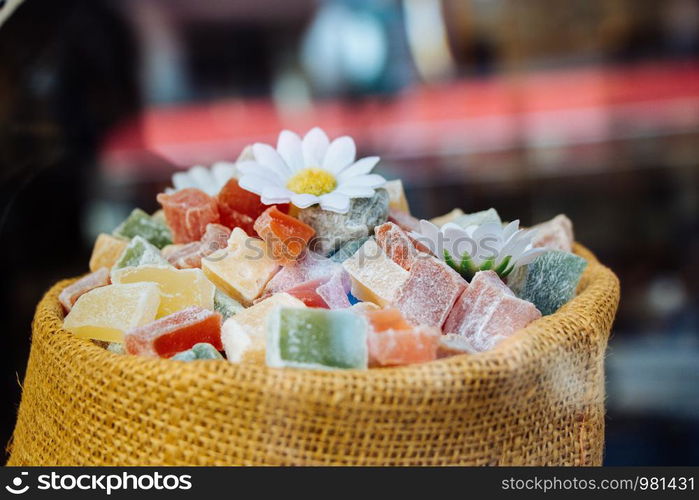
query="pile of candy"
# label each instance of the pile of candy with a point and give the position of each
(299, 256)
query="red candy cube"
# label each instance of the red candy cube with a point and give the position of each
(175, 333)
(188, 212)
(286, 237)
(308, 293)
(240, 208)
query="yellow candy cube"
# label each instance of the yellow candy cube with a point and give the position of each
(375, 277)
(448, 217)
(106, 313)
(243, 269)
(396, 195)
(179, 288)
(244, 335)
(106, 251)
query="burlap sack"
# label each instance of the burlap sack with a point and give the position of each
(538, 398)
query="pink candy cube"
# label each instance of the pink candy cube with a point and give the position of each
(71, 293)
(396, 244)
(189, 255)
(488, 311)
(429, 292)
(188, 212)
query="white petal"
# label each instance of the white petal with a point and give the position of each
(254, 183)
(314, 145)
(274, 194)
(223, 171)
(289, 148)
(457, 242)
(203, 179)
(428, 236)
(304, 200)
(529, 256)
(510, 229)
(356, 191)
(340, 154)
(182, 180)
(335, 202)
(254, 168)
(266, 155)
(361, 167)
(371, 180)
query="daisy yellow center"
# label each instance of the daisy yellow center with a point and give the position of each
(315, 181)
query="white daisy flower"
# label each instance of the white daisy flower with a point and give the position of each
(480, 247)
(310, 171)
(209, 180)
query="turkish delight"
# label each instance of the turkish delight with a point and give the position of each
(188, 212)
(310, 266)
(200, 351)
(189, 255)
(106, 251)
(430, 291)
(348, 250)
(403, 220)
(556, 234)
(550, 281)
(179, 288)
(225, 305)
(375, 277)
(239, 207)
(396, 244)
(139, 252)
(396, 195)
(334, 230)
(286, 237)
(175, 333)
(70, 294)
(488, 312)
(316, 338)
(489, 216)
(242, 269)
(448, 217)
(107, 312)
(139, 223)
(244, 336)
(452, 344)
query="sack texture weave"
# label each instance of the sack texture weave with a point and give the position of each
(536, 399)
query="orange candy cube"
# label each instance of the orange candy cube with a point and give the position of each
(285, 236)
(240, 208)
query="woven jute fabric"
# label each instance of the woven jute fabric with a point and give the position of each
(536, 399)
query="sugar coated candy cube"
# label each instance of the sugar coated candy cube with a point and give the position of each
(140, 253)
(244, 336)
(139, 223)
(309, 266)
(316, 338)
(308, 294)
(106, 251)
(225, 305)
(452, 344)
(188, 212)
(448, 217)
(348, 250)
(364, 307)
(489, 216)
(200, 351)
(375, 277)
(430, 291)
(189, 255)
(396, 195)
(72, 292)
(396, 244)
(286, 237)
(242, 269)
(334, 230)
(116, 348)
(329, 292)
(403, 220)
(550, 281)
(556, 234)
(487, 312)
(107, 312)
(175, 333)
(179, 288)
(392, 341)
(239, 207)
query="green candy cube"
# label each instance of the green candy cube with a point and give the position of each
(548, 282)
(489, 216)
(140, 253)
(225, 305)
(152, 229)
(198, 351)
(348, 250)
(316, 338)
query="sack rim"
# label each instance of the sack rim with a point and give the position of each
(522, 348)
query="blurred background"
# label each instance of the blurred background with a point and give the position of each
(583, 107)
